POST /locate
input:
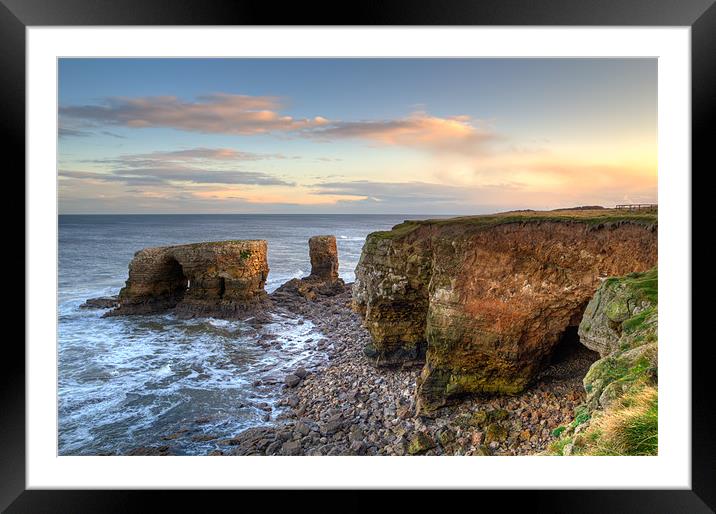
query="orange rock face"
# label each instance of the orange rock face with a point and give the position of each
(489, 298)
(324, 257)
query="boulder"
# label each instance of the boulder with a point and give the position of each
(103, 302)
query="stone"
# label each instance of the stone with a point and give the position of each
(478, 418)
(622, 314)
(301, 373)
(292, 380)
(486, 299)
(477, 438)
(291, 448)
(495, 432)
(420, 443)
(103, 302)
(221, 279)
(482, 450)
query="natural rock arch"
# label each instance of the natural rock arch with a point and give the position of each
(224, 279)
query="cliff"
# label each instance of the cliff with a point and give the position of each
(222, 279)
(486, 298)
(619, 416)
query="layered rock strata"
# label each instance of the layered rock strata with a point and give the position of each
(222, 279)
(486, 298)
(323, 279)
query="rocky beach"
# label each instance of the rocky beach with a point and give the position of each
(350, 407)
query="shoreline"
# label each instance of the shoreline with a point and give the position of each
(347, 406)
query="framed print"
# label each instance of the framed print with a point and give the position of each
(421, 248)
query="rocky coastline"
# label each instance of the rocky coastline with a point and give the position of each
(459, 337)
(348, 406)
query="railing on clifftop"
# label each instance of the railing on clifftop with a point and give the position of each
(636, 206)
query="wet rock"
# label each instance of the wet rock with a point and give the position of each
(103, 302)
(292, 380)
(175, 435)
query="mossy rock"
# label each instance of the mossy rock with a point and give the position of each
(446, 438)
(420, 443)
(495, 432)
(483, 451)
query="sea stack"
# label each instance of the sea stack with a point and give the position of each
(324, 258)
(220, 279)
(323, 280)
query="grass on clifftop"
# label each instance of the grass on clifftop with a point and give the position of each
(646, 284)
(591, 217)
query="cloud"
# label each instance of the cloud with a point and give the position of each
(157, 176)
(217, 113)
(392, 191)
(419, 130)
(70, 132)
(195, 154)
(247, 115)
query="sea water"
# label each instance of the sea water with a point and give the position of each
(127, 382)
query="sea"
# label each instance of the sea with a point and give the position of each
(138, 381)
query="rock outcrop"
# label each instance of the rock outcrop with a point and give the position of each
(102, 302)
(323, 279)
(222, 279)
(486, 298)
(619, 416)
(621, 323)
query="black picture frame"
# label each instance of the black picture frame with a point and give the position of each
(700, 15)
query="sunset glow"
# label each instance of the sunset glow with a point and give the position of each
(423, 136)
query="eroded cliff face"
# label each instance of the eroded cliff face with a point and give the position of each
(489, 296)
(222, 279)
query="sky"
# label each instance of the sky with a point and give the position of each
(375, 136)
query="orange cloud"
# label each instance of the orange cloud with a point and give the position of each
(419, 130)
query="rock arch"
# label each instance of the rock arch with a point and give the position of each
(223, 279)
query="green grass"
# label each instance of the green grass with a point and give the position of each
(629, 429)
(590, 217)
(645, 284)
